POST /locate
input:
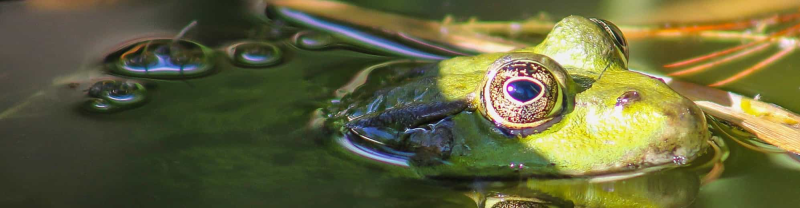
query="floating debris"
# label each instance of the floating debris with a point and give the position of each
(162, 59)
(113, 96)
(255, 54)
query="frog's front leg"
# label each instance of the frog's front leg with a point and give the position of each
(431, 144)
(423, 130)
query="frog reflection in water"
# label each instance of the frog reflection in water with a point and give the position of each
(566, 107)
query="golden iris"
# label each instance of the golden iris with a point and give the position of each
(523, 91)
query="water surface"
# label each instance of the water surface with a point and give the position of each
(237, 137)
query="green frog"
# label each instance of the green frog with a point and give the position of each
(567, 107)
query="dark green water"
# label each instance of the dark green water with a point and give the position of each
(238, 138)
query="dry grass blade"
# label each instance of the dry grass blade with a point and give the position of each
(768, 122)
(775, 133)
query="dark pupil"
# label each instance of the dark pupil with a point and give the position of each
(523, 90)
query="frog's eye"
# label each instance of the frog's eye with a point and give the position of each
(523, 91)
(616, 33)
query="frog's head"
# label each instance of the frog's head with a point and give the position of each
(570, 106)
(527, 91)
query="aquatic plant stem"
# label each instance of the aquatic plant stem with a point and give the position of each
(758, 66)
(699, 68)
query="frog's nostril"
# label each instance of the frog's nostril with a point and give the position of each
(627, 98)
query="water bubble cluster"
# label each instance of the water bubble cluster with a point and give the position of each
(255, 54)
(162, 59)
(113, 96)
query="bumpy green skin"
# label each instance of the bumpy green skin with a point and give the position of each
(595, 136)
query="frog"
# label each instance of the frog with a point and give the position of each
(567, 107)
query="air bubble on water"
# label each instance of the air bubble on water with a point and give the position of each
(98, 105)
(255, 54)
(113, 95)
(162, 59)
(313, 40)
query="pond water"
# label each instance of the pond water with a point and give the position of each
(237, 137)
